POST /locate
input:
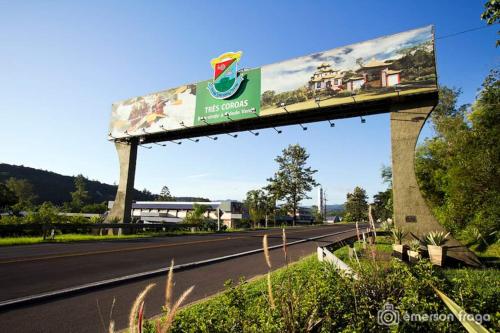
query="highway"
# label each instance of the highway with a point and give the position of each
(36, 269)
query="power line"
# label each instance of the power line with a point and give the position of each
(464, 32)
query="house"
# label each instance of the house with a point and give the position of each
(374, 74)
(326, 78)
(391, 78)
(354, 83)
(333, 219)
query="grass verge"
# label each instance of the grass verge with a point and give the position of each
(312, 296)
(70, 238)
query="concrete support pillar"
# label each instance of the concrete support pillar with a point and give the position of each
(410, 209)
(127, 157)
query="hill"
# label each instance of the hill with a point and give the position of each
(54, 187)
(334, 207)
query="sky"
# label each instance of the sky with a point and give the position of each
(293, 74)
(63, 64)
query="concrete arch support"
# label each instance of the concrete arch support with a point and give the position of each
(410, 209)
(127, 157)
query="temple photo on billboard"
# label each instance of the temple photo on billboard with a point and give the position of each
(380, 68)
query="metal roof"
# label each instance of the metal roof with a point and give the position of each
(172, 205)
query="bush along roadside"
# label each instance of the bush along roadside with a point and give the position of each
(310, 296)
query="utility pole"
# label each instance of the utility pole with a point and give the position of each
(324, 206)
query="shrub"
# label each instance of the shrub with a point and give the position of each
(12, 219)
(398, 234)
(312, 296)
(414, 245)
(209, 225)
(387, 225)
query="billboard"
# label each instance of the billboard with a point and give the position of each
(400, 64)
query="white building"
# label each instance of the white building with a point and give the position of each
(326, 78)
(228, 212)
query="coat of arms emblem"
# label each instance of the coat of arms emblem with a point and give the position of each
(226, 79)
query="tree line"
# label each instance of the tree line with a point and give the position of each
(458, 169)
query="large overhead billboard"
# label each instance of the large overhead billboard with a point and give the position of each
(400, 64)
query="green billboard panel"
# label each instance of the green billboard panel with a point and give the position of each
(245, 103)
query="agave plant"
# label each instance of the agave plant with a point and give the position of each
(414, 245)
(437, 238)
(386, 225)
(398, 234)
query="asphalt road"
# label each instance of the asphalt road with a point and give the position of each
(34, 269)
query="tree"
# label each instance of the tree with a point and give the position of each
(95, 208)
(356, 206)
(24, 192)
(7, 196)
(165, 195)
(491, 14)
(386, 174)
(336, 212)
(317, 215)
(80, 196)
(197, 215)
(260, 205)
(294, 179)
(359, 62)
(146, 192)
(256, 204)
(48, 213)
(382, 201)
(268, 97)
(459, 169)
(382, 205)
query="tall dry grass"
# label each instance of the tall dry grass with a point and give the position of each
(135, 316)
(162, 324)
(169, 286)
(283, 236)
(267, 257)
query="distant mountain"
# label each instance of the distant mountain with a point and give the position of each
(54, 187)
(333, 207)
(191, 199)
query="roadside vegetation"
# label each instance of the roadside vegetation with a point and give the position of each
(70, 238)
(313, 296)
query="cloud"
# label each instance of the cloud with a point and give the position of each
(295, 73)
(337, 60)
(346, 50)
(317, 56)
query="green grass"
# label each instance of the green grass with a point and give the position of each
(383, 246)
(314, 292)
(311, 104)
(492, 251)
(69, 238)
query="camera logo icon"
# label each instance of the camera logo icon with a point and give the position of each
(388, 316)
